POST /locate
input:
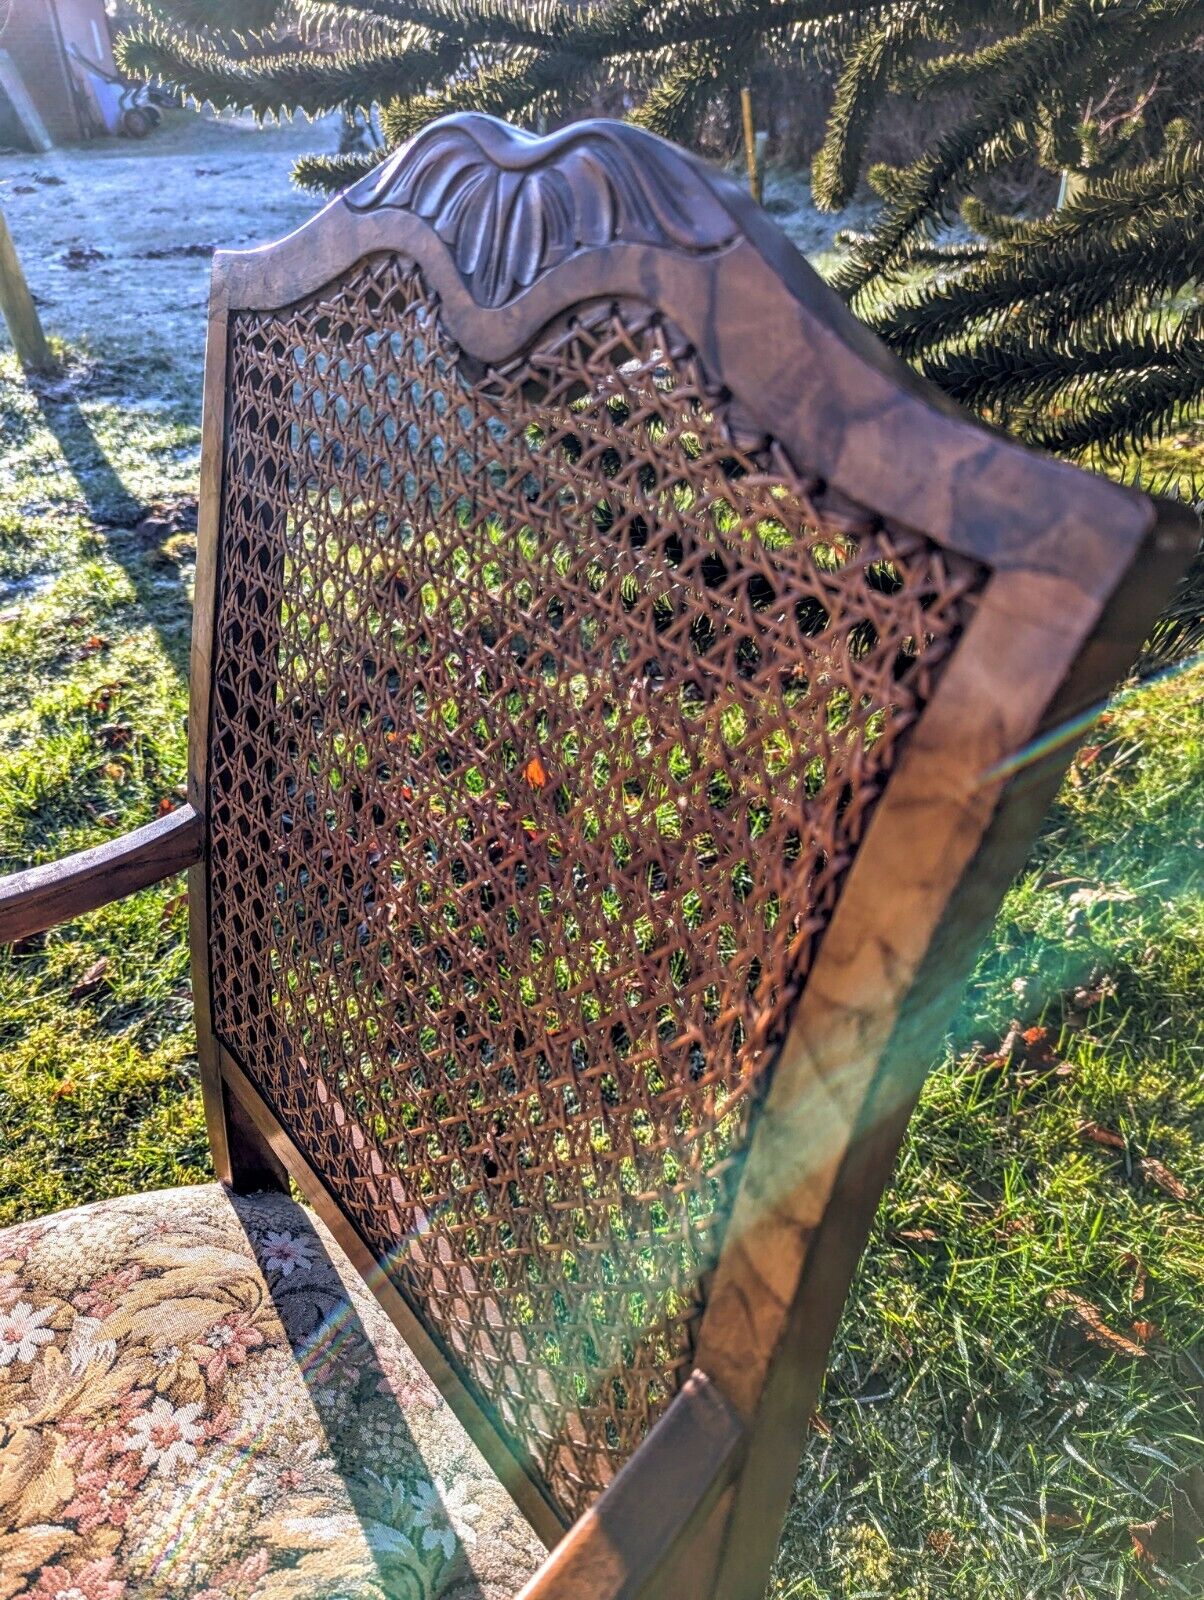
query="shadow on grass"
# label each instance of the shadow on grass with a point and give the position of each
(115, 511)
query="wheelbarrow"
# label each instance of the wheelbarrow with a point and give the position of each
(117, 106)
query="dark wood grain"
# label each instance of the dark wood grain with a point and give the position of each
(38, 898)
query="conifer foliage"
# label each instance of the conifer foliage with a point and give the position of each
(526, 60)
(1077, 327)
(1077, 324)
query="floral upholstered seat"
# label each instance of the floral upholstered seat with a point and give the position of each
(199, 1398)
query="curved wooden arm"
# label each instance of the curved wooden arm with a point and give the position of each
(40, 897)
(620, 1548)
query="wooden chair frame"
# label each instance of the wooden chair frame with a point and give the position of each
(1078, 569)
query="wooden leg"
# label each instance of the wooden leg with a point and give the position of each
(242, 1158)
(251, 1163)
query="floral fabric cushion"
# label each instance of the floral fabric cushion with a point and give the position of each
(200, 1399)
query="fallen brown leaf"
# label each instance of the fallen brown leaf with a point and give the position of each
(1146, 1333)
(1089, 1321)
(1028, 1050)
(1132, 1263)
(1078, 1008)
(1162, 1178)
(1145, 1536)
(103, 698)
(1095, 894)
(1063, 1519)
(1095, 995)
(1104, 1136)
(92, 979)
(176, 903)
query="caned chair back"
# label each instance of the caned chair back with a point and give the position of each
(608, 675)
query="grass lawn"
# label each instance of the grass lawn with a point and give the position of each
(1016, 1402)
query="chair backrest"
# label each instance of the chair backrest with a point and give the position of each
(608, 666)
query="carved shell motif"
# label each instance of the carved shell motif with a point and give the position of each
(510, 205)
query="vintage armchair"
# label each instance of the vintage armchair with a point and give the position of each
(621, 693)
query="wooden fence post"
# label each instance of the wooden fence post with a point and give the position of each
(18, 309)
(751, 152)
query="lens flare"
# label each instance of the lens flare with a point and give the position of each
(1074, 728)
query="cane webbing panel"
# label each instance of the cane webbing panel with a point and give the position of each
(546, 723)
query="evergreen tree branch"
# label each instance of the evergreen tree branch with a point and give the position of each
(869, 67)
(330, 174)
(1093, 254)
(517, 89)
(990, 224)
(234, 19)
(1126, 412)
(681, 96)
(533, 25)
(634, 41)
(309, 81)
(1023, 67)
(1018, 372)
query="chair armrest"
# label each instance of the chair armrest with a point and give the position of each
(622, 1545)
(40, 897)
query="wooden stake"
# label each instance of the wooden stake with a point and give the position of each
(18, 309)
(750, 145)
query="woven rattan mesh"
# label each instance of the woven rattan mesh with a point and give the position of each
(546, 725)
